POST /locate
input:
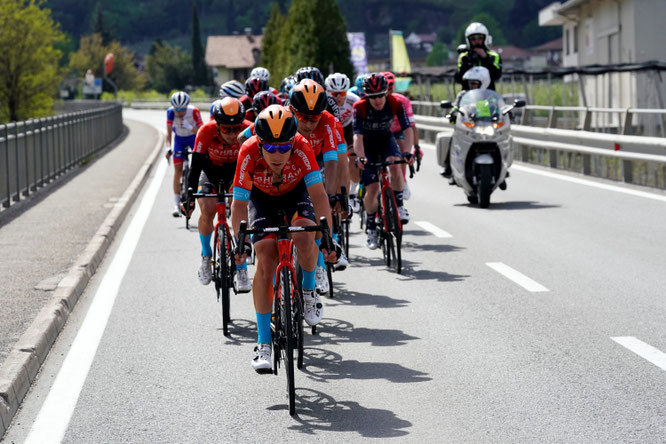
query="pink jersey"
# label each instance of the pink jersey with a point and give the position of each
(395, 126)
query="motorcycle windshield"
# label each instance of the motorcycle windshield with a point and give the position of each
(482, 105)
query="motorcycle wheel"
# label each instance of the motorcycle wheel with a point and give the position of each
(473, 199)
(485, 185)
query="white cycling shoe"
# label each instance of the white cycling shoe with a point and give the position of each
(342, 263)
(261, 363)
(313, 308)
(404, 215)
(205, 272)
(176, 211)
(321, 280)
(242, 281)
(372, 240)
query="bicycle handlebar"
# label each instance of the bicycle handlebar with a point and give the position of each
(389, 163)
(284, 230)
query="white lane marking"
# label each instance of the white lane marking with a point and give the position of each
(433, 229)
(56, 412)
(645, 351)
(517, 277)
(589, 183)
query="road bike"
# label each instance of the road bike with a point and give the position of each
(183, 183)
(287, 316)
(389, 226)
(224, 266)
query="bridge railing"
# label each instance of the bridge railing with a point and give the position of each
(35, 152)
(631, 159)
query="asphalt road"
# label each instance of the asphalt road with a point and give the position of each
(453, 350)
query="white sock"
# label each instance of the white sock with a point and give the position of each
(354, 187)
(176, 199)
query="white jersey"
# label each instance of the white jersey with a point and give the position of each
(347, 108)
(184, 127)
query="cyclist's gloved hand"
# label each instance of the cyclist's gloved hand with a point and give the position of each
(331, 256)
(409, 157)
(360, 163)
(333, 200)
(186, 199)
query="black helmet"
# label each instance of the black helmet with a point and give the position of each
(228, 112)
(310, 72)
(275, 124)
(255, 84)
(308, 97)
(375, 84)
(263, 99)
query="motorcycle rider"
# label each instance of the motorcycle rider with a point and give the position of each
(477, 39)
(478, 77)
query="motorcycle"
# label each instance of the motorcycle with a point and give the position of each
(481, 145)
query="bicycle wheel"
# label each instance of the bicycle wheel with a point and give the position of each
(394, 233)
(298, 322)
(222, 278)
(183, 189)
(286, 290)
(276, 332)
(329, 276)
(346, 238)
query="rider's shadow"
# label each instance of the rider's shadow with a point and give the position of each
(366, 299)
(317, 411)
(410, 272)
(336, 331)
(325, 366)
(241, 331)
(437, 248)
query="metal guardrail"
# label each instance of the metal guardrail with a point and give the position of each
(35, 152)
(632, 159)
(625, 121)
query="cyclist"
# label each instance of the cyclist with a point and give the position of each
(253, 85)
(184, 120)
(307, 101)
(337, 86)
(214, 162)
(265, 74)
(313, 73)
(373, 117)
(232, 88)
(478, 54)
(285, 88)
(277, 171)
(261, 101)
(399, 134)
(358, 86)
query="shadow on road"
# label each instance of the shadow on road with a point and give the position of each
(324, 365)
(317, 411)
(366, 299)
(438, 248)
(337, 331)
(409, 272)
(241, 331)
(520, 205)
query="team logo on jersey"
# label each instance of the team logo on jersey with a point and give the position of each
(304, 158)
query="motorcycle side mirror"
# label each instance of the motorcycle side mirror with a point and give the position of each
(445, 104)
(518, 103)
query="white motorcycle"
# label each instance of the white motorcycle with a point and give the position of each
(481, 146)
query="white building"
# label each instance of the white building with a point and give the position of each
(602, 32)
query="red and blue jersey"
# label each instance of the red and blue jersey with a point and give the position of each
(376, 124)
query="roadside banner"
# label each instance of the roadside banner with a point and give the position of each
(359, 57)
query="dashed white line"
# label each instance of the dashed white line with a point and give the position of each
(433, 229)
(645, 351)
(56, 412)
(517, 277)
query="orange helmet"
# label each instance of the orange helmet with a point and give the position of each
(275, 124)
(308, 97)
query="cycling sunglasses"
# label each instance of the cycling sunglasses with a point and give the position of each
(180, 109)
(477, 37)
(229, 129)
(339, 94)
(281, 148)
(376, 96)
(308, 117)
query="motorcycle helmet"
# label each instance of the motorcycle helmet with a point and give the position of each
(477, 28)
(479, 74)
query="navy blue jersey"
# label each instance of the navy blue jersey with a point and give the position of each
(376, 124)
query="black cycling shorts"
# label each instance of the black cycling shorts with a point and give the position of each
(265, 210)
(349, 138)
(209, 180)
(370, 175)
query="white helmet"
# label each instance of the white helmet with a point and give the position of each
(232, 88)
(479, 74)
(478, 28)
(180, 99)
(337, 82)
(261, 72)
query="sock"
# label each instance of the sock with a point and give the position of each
(242, 266)
(308, 280)
(264, 328)
(206, 250)
(371, 223)
(335, 237)
(398, 197)
(176, 199)
(320, 257)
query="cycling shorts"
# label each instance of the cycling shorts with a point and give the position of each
(370, 175)
(400, 135)
(208, 183)
(180, 147)
(264, 209)
(349, 138)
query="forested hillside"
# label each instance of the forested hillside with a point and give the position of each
(138, 23)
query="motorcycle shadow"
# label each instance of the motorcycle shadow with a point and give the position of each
(516, 205)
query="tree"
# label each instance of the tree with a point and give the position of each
(438, 56)
(271, 45)
(201, 76)
(333, 53)
(98, 26)
(29, 74)
(91, 55)
(168, 67)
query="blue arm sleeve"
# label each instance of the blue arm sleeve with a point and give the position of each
(330, 155)
(342, 148)
(241, 194)
(311, 178)
(247, 133)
